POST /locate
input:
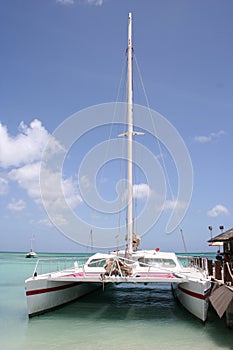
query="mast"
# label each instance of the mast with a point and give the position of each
(130, 137)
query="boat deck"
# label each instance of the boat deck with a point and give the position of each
(97, 277)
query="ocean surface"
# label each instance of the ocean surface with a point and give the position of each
(138, 318)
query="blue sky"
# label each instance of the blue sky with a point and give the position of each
(60, 57)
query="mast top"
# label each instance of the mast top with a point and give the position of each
(130, 30)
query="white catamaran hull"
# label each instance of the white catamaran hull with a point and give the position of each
(194, 296)
(44, 295)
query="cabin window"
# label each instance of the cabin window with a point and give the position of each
(156, 262)
(97, 263)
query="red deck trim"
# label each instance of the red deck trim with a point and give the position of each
(194, 294)
(81, 274)
(48, 290)
(157, 275)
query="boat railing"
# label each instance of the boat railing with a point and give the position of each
(218, 269)
(201, 263)
(49, 265)
(223, 271)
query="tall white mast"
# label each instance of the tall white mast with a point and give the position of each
(130, 137)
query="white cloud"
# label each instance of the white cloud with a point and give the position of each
(27, 178)
(85, 182)
(173, 204)
(46, 222)
(57, 205)
(95, 2)
(218, 210)
(24, 148)
(65, 2)
(71, 193)
(169, 204)
(89, 2)
(23, 153)
(17, 205)
(141, 191)
(3, 186)
(211, 137)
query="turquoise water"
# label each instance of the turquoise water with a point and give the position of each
(141, 318)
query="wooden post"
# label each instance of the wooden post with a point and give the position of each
(226, 274)
(229, 315)
(218, 270)
(210, 267)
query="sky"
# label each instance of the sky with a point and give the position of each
(61, 66)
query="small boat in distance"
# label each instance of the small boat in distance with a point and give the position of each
(31, 254)
(46, 291)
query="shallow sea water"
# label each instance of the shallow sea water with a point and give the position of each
(120, 317)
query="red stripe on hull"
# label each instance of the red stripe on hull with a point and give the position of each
(194, 294)
(48, 290)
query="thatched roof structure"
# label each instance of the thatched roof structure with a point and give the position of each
(223, 237)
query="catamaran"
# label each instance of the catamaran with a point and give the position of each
(46, 291)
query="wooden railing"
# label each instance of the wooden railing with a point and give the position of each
(220, 270)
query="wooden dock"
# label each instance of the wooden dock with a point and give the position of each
(222, 292)
(221, 297)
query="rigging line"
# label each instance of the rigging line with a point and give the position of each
(111, 130)
(121, 196)
(123, 168)
(183, 240)
(135, 196)
(112, 122)
(90, 242)
(160, 149)
(155, 131)
(91, 239)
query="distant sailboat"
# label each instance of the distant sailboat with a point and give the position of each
(31, 254)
